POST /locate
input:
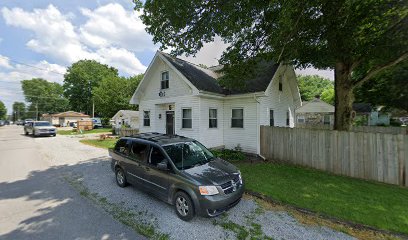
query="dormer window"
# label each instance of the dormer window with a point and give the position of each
(164, 80)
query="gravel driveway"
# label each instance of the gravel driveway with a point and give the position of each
(89, 168)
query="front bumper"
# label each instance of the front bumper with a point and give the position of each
(211, 206)
(45, 133)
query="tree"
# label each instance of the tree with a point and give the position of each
(43, 96)
(311, 86)
(80, 80)
(19, 111)
(389, 89)
(113, 94)
(3, 110)
(328, 95)
(345, 35)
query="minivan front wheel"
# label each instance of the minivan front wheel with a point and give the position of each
(120, 177)
(184, 206)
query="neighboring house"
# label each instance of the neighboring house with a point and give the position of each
(126, 118)
(63, 119)
(178, 97)
(315, 112)
(369, 116)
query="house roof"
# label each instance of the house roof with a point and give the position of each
(362, 107)
(127, 113)
(206, 79)
(315, 106)
(69, 114)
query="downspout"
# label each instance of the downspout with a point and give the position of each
(258, 128)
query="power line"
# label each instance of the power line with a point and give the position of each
(28, 65)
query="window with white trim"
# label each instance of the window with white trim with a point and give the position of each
(326, 119)
(237, 118)
(301, 119)
(187, 121)
(212, 118)
(146, 118)
(288, 118)
(164, 80)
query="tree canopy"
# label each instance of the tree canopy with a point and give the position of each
(19, 111)
(80, 80)
(43, 96)
(3, 110)
(311, 86)
(113, 94)
(344, 35)
(388, 89)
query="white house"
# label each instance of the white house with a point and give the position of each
(178, 97)
(127, 118)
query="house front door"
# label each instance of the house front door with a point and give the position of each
(170, 122)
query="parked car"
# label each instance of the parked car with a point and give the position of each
(19, 122)
(179, 171)
(40, 128)
(97, 123)
(28, 120)
(2, 123)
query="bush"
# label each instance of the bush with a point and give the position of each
(229, 155)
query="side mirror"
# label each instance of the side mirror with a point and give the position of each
(163, 165)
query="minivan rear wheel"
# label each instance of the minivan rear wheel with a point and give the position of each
(184, 206)
(120, 177)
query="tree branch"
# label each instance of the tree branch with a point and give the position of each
(380, 68)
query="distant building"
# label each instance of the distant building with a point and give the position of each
(315, 112)
(63, 119)
(369, 116)
(126, 118)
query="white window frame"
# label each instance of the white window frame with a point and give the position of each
(301, 117)
(216, 117)
(182, 118)
(164, 80)
(269, 116)
(237, 108)
(324, 122)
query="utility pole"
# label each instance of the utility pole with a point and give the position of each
(36, 112)
(93, 108)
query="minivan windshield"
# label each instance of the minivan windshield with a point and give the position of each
(42, 124)
(188, 154)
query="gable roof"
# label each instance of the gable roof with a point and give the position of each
(207, 79)
(315, 106)
(67, 114)
(127, 113)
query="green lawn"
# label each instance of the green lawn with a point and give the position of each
(108, 143)
(379, 205)
(97, 130)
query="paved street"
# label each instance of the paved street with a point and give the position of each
(35, 201)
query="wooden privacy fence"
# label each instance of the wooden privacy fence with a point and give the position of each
(372, 129)
(122, 132)
(373, 156)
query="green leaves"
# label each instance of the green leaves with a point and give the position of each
(113, 94)
(312, 86)
(80, 80)
(44, 96)
(3, 110)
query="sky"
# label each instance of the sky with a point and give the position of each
(39, 39)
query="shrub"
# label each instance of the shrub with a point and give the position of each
(229, 155)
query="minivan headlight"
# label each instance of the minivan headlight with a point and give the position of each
(208, 190)
(240, 176)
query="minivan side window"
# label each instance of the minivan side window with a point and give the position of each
(138, 151)
(121, 146)
(156, 156)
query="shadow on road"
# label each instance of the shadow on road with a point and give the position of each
(60, 212)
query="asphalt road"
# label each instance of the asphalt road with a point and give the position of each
(35, 201)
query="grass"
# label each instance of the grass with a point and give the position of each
(97, 130)
(107, 143)
(374, 204)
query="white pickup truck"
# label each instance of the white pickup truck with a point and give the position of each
(40, 128)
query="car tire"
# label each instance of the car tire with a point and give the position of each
(184, 206)
(54, 135)
(120, 178)
(25, 132)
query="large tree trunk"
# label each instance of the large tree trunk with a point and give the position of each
(344, 97)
